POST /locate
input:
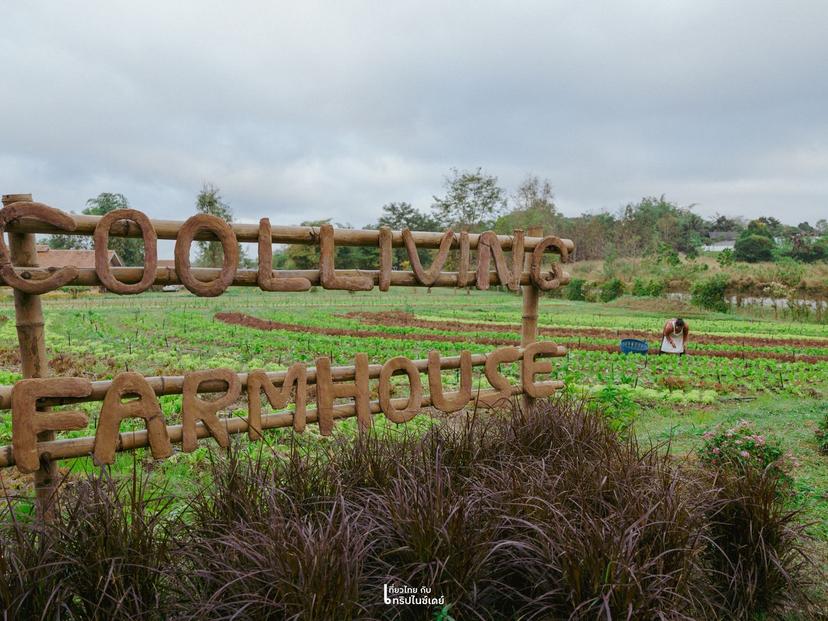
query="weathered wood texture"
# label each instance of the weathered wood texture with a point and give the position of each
(127, 441)
(307, 235)
(529, 318)
(174, 384)
(34, 362)
(87, 277)
(222, 380)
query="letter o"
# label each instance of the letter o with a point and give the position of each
(184, 240)
(44, 213)
(102, 267)
(552, 280)
(415, 397)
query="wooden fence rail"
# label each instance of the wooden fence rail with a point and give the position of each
(34, 445)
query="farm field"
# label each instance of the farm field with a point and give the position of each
(771, 373)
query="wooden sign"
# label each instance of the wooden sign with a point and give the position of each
(289, 388)
(339, 391)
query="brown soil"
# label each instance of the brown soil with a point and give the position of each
(242, 319)
(398, 318)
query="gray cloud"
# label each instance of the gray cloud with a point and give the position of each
(310, 110)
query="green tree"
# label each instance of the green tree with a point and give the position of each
(753, 248)
(402, 215)
(130, 250)
(760, 226)
(301, 257)
(472, 202)
(534, 207)
(210, 253)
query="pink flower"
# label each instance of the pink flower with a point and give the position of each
(707, 435)
(744, 454)
(716, 450)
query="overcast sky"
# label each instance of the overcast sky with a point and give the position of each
(307, 110)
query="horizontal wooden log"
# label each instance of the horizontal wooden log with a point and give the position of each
(305, 235)
(174, 384)
(80, 447)
(87, 277)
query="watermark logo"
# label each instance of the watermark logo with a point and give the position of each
(394, 595)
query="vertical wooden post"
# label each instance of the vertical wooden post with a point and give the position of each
(33, 360)
(529, 320)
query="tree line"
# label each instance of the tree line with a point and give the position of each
(473, 200)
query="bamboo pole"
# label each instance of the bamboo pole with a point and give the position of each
(529, 317)
(80, 447)
(306, 235)
(174, 384)
(33, 360)
(87, 277)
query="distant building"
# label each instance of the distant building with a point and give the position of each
(52, 257)
(719, 246)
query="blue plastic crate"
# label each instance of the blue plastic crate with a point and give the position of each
(634, 346)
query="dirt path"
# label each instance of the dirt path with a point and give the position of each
(242, 319)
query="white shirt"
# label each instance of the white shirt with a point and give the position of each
(678, 339)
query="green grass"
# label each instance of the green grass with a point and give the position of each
(160, 333)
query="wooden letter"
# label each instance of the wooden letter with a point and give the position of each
(267, 279)
(531, 367)
(465, 258)
(278, 398)
(194, 409)
(496, 378)
(554, 278)
(27, 421)
(489, 244)
(327, 273)
(42, 212)
(435, 383)
(184, 240)
(427, 277)
(102, 267)
(386, 258)
(415, 395)
(327, 391)
(113, 411)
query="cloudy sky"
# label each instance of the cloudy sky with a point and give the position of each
(309, 110)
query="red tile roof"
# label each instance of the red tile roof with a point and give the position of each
(51, 257)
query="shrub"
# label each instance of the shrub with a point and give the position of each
(539, 514)
(725, 257)
(709, 293)
(611, 289)
(575, 290)
(753, 248)
(649, 288)
(740, 448)
(755, 554)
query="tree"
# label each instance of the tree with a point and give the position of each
(301, 257)
(130, 250)
(753, 248)
(534, 207)
(210, 253)
(472, 202)
(402, 215)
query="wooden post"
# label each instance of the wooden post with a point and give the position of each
(529, 320)
(33, 360)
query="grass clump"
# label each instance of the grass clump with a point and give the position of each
(542, 514)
